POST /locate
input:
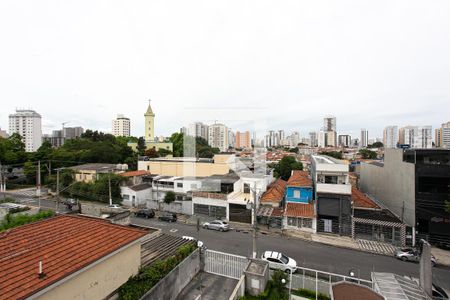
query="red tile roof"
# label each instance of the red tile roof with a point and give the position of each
(360, 200)
(275, 191)
(299, 178)
(135, 173)
(64, 244)
(277, 212)
(303, 210)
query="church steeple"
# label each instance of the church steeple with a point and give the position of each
(149, 109)
(149, 124)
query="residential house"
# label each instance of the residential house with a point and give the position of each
(136, 195)
(299, 187)
(372, 222)
(91, 172)
(54, 261)
(300, 212)
(332, 194)
(274, 195)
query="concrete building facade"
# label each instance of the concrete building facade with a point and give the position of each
(390, 137)
(197, 129)
(414, 185)
(243, 140)
(27, 123)
(121, 126)
(218, 136)
(364, 141)
(416, 136)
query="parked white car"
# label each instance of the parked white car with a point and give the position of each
(280, 261)
(217, 225)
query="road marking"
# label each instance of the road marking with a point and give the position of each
(173, 230)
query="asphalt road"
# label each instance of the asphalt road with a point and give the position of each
(307, 254)
(27, 197)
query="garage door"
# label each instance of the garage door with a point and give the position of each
(217, 212)
(240, 213)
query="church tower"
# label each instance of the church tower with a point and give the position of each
(149, 124)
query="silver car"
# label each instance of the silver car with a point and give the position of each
(411, 254)
(217, 225)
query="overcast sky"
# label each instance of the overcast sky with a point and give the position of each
(283, 64)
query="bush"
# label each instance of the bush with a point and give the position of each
(149, 276)
(309, 294)
(15, 221)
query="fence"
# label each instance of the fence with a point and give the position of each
(319, 281)
(225, 264)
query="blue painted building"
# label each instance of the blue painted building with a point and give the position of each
(299, 187)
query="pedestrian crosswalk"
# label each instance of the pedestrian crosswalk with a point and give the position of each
(376, 247)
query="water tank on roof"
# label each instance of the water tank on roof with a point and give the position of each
(124, 167)
(118, 167)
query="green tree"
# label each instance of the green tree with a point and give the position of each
(12, 150)
(141, 146)
(44, 152)
(164, 152)
(284, 168)
(368, 154)
(447, 206)
(152, 153)
(334, 154)
(177, 140)
(169, 197)
(376, 145)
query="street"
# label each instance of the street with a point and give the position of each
(27, 197)
(307, 254)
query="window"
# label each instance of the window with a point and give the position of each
(126, 197)
(307, 223)
(179, 184)
(297, 194)
(331, 179)
(246, 188)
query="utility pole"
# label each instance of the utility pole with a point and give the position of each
(38, 183)
(254, 221)
(57, 190)
(109, 185)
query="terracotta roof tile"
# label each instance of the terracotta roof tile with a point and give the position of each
(360, 200)
(64, 244)
(277, 212)
(304, 210)
(135, 173)
(275, 191)
(299, 178)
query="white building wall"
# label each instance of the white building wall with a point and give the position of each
(27, 123)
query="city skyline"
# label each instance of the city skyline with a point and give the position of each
(63, 70)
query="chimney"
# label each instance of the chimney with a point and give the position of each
(41, 273)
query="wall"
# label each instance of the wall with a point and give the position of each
(306, 194)
(170, 286)
(100, 280)
(392, 185)
(179, 207)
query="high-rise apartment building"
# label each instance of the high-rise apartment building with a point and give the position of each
(313, 142)
(218, 136)
(121, 126)
(390, 136)
(345, 140)
(198, 129)
(331, 139)
(58, 137)
(27, 123)
(416, 136)
(329, 123)
(243, 140)
(231, 139)
(442, 136)
(364, 141)
(272, 139)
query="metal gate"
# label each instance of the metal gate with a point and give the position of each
(240, 213)
(225, 264)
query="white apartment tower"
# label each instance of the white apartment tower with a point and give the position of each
(121, 126)
(364, 138)
(390, 137)
(27, 123)
(313, 139)
(218, 136)
(416, 136)
(442, 137)
(198, 129)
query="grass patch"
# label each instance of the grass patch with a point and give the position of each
(12, 221)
